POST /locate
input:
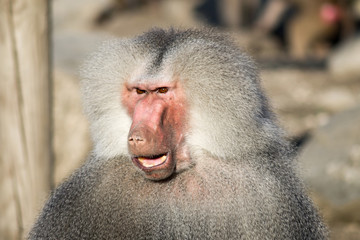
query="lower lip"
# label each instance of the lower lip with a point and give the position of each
(148, 163)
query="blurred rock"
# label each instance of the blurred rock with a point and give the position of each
(71, 135)
(331, 159)
(78, 15)
(70, 48)
(335, 99)
(165, 14)
(344, 62)
(72, 43)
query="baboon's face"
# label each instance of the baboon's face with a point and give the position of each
(156, 139)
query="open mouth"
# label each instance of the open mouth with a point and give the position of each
(151, 161)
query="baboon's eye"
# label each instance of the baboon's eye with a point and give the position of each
(140, 91)
(163, 90)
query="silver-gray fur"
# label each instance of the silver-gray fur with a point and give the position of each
(242, 183)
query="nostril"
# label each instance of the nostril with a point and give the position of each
(138, 139)
(135, 139)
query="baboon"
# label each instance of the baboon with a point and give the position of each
(185, 147)
(317, 26)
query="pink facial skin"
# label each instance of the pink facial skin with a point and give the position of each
(156, 136)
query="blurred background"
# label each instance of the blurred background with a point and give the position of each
(308, 52)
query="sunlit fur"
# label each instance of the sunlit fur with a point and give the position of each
(241, 183)
(213, 70)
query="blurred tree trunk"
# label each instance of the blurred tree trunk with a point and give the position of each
(25, 119)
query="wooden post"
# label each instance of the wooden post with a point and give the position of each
(25, 119)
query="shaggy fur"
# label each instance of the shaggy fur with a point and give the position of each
(242, 183)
